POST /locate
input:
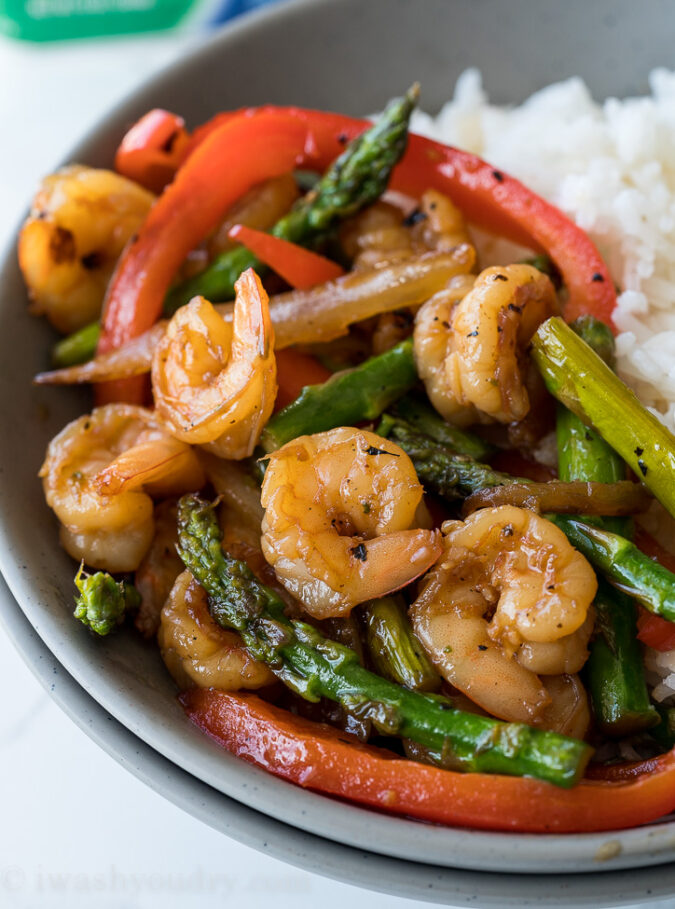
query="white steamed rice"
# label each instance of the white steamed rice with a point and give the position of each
(611, 167)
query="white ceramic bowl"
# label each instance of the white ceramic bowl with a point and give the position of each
(350, 56)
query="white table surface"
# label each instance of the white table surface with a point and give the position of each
(77, 830)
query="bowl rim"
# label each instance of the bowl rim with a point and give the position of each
(342, 822)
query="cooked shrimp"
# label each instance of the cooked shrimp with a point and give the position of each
(517, 566)
(339, 506)
(215, 382)
(437, 224)
(159, 569)
(375, 236)
(380, 234)
(568, 654)
(197, 651)
(80, 222)
(98, 475)
(475, 362)
(430, 344)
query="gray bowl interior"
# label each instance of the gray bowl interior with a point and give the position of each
(347, 55)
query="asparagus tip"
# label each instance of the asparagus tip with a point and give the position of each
(103, 602)
(413, 93)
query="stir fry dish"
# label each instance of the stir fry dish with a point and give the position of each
(315, 472)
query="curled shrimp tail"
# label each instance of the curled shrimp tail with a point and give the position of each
(214, 382)
(149, 463)
(392, 561)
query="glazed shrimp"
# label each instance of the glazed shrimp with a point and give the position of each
(437, 224)
(380, 234)
(215, 382)
(473, 363)
(197, 651)
(80, 222)
(159, 569)
(566, 655)
(517, 566)
(430, 344)
(98, 475)
(339, 506)
(376, 236)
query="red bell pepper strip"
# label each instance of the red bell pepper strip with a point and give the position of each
(653, 630)
(295, 370)
(503, 206)
(298, 266)
(153, 149)
(319, 757)
(249, 147)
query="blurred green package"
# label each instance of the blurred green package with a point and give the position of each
(55, 20)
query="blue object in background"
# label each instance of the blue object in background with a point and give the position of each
(54, 20)
(232, 8)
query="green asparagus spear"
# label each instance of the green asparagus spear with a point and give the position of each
(455, 476)
(419, 414)
(316, 667)
(356, 179)
(451, 475)
(103, 601)
(346, 398)
(615, 671)
(346, 630)
(622, 564)
(598, 335)
(580, 380)
(76, 348)
(582, 453)
(394, 650)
